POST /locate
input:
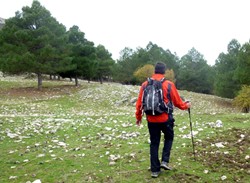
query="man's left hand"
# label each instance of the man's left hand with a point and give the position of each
(138, 122)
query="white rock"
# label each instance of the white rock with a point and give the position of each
(223, 177)
(218, 124)
(219, 145)
(111, 163)
(108, 128)
(37, 181)
(242, 136)
(40, 155)
(12, 177)
(12, 135)
(62, 144)
(132, 155)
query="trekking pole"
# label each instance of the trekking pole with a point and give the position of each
(191, 132)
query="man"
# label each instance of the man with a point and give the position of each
(160, 123)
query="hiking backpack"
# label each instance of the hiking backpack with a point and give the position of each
(152, 100)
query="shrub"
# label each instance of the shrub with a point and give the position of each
(144, 72)
(169, 75)
(243, 99)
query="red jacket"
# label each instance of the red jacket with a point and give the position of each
(175, 97)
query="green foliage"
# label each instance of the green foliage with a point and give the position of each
(243, 99)
(194, 73)
(131, 61)
(156, 54)
(104, 63)
(75, 36)
(125, 67)
(80, 49)
(90, 62)
(169, 75)
(82, 53)
(242, 73)
(34, 41)
(226, 84)
(144, 72)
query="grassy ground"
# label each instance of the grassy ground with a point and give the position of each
(88, 134)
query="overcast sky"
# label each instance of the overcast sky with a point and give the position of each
(177, 25)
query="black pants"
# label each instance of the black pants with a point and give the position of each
(155, 130)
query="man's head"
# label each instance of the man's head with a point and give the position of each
(160, 68)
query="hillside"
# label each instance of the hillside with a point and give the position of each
(118, 96)
(88, 134)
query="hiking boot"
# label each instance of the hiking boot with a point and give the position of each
(155, 174)
(165, 166)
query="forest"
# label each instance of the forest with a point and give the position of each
(33, 41)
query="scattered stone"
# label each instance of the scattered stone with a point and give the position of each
(12, 177)
(205, 171)
(223, 177)
(219, 145)
(37, 181)
(62, 144)
(218, 124)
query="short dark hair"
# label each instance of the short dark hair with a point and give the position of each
(160, 68)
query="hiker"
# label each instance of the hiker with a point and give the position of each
(158, 123)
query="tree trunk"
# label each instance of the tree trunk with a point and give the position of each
(76, 81)
(101, 80)
(39, 79)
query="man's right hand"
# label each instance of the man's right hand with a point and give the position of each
(188, 104)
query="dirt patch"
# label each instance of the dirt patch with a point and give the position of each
(185, 177)
(237, 119)
(227, 150)
(30, 92)
(224, 102)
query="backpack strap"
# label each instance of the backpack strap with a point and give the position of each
(150, 81)
(168, 94)
(162, 80)
(170, 115)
